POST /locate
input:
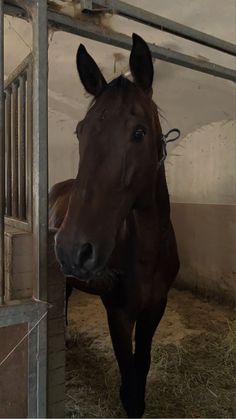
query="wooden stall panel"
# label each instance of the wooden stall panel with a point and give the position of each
(14, 372)
(19, 265)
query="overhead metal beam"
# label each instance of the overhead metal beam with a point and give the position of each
(167, 25)
(91, 6)
(89, 30)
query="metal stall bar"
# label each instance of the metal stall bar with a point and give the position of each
(164, 24)
(37, 146)
(15, 160)
(29, 148)
(2, 156)
(91, 31)
(151, 19)
(22, 148)
(18, 132)
(40, 182)
(8, 154)
(40, 142)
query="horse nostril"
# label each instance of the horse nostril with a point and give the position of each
(85, 253)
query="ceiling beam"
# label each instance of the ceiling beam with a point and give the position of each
(89, 30)
(151, 19)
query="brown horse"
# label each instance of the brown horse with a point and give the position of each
(115, 237)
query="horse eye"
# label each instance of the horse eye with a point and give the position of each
(138, 135)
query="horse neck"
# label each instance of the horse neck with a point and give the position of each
(162, 199)
(161, 190)
(158, 214)
(152, 222)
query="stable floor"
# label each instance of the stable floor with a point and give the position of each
(193, 361)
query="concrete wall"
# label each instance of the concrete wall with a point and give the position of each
(201, 169)
(201, 173)
(206, 236)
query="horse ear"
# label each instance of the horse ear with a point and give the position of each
(90, 75)
(140, 63)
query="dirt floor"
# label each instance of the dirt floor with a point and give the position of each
(193, 372)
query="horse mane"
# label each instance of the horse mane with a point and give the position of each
(119, 82)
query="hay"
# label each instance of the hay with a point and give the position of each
(193, 378)
(196, 379)
(73, 9)
(92, 382)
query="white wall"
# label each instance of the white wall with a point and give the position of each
(63, 147)
(201, 173)
(202, 167)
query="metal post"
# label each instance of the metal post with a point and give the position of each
(40, 143)
(29, 135)
(40, 182)
(15, 159)
(8, 154)
(22, 150)
(2, 155)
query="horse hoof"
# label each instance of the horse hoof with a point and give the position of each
(133, 406)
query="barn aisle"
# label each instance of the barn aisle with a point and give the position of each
(193, 367)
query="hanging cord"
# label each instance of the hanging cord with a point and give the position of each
(23, 338)
(164, 142)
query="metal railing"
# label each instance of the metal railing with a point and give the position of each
(89, 30)
(159, 22)
(18, 146)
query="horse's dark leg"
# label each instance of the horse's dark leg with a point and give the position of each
(69, 289)
(145, 329)
(121, 334)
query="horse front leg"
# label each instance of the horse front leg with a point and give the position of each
(121, 328)
(69, 290)
(145, 329)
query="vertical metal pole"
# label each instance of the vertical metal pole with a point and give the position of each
(8, 154)
(15, 153)
(2, 155)
(29, 135)
(22, 153)
(40, 181)
(40, 142)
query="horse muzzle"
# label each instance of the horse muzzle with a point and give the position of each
(80, 261)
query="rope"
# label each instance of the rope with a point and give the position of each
(22, 339)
